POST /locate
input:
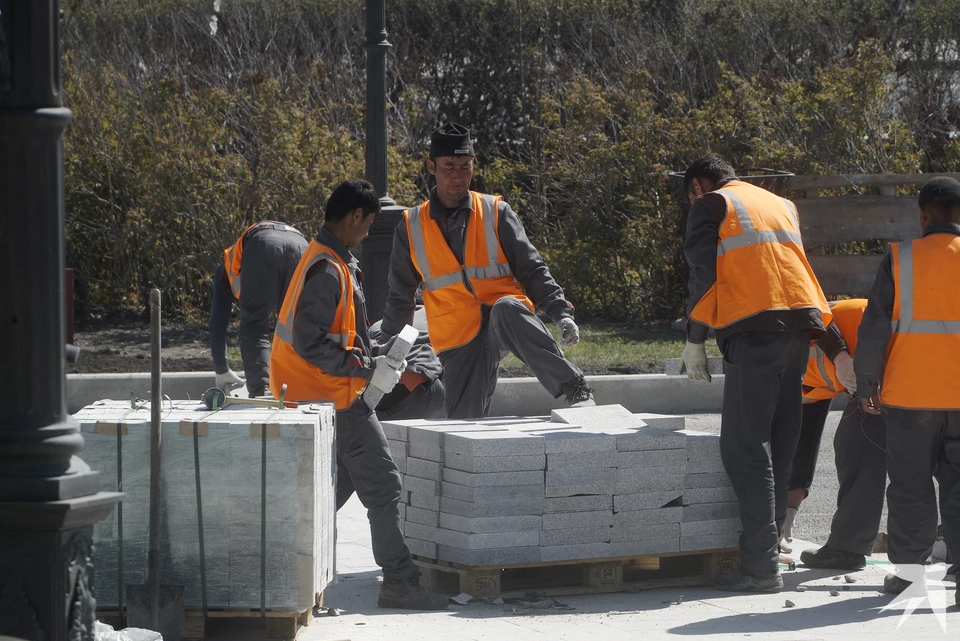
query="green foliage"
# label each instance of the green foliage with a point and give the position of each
(189, 125)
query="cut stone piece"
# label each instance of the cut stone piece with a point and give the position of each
(496, 556)
(576, 440)
(636, 548)
(589, 503)
(425, 549)
(714, 479)
(491, 494)
(423, 517)
(711, 511)
(572, 552)
(663, 421)
(485, 525)
(421, 468)
(650, 438)
(673, 514)
(501, 443)
(652, 479)
(482, 464)
(645, 500)
(645, 532)
(471, 479)
(709, 542)
(569, 520)
(481, 510)
(573, 536)
(582, 459)
(708, 495)
(716, 526)
(652, 458)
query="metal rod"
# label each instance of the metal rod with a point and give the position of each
(263, 520)
(203, 560)
(156, 403)
(120, 588)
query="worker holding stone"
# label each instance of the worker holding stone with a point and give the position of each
(908, 363)
(322, 352)
(751, 282)
(482, 281)
(859, 445)
(264, 259)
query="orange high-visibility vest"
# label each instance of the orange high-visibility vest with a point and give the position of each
(821, 372)
(304, 381)
(761, 265)
(454, 313)
(233, 254)
(922, 369)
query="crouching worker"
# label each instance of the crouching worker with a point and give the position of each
(322, 352)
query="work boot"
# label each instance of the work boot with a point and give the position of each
(744, 581)
(408, 594)
(956, 596)
(892, 584)
(829, 558)
(578, 394)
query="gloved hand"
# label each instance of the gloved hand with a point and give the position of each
(569, 332)
(845, 373)
(229, 380)
(695, 359)
(786, 532)
(386, 377)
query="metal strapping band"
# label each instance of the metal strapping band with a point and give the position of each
(203, 559)
(120, 586)
(263, 521)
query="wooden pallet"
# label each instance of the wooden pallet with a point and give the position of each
(281, 625)
(582, 576)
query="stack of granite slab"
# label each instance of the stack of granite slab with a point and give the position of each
(583, 483)
(300, 475)
(711, 513)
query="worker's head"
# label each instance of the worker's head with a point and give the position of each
(704, 175)
(939, 201)
(451, 162)
(350, 211)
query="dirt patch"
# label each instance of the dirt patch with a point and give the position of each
(121, 349)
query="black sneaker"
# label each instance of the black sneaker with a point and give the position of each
(408, 594)
(744, 581)
(833, 559)
(892, 584)
(577, 393)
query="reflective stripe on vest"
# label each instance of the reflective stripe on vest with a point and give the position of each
(233, 255)
(285, 325)
(906, 324)
(749, 235)
(492, 269)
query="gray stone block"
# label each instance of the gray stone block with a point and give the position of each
(651, 458)
(403, 511)
(653, 479)
(481, 510)
(483, 464)
(397, 448)
(431, 436)
(709, 542)
(401, 463)
(491, 494)
(422, 517)
(708, 495)
(487, 540)
(421, 468)
(589, 503)
(425, 452)
(515, 422)
(493, 443)
(422, 487)
(493, 557)
(489, 524)
(645, 500)
(570, 520)
(418, 547)
(471, 479)
(638, 548)
(714, 479)
(663, 421)
(576, 440)
(424, 502)
(649, 438)
(573, 536)
(582, 459)
(394, 430)
(706, 465)
(673, 514)
(599, 416)
(715, 526)
(584, 551)
(421, 532)
(710, 511)
(645, 532)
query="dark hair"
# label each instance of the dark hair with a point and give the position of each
(712, 167)
(945, 209)
(349, 195)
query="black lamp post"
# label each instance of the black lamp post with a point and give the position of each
(49, 498)
(375, 249)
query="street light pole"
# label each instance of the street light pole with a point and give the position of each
(49, 498)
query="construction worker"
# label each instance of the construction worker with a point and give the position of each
(420, 392)
(908, 362)
(264, 258)
(321, 352)
(750, 281)
(482, 280)
(859, 446)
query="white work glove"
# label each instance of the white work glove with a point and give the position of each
(229, 380)
(385, 377)
(569, 332)
(786, 532)
(845, 373)
(695, 359)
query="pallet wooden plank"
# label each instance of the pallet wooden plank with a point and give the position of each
(842, 219)
(848, 275)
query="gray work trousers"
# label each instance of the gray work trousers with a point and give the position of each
(364, 465)
(425, 401)
(860, 453)
(270, 257)
(922, 444)
(470, 371)
(759, 430)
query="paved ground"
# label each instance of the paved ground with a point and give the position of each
(855, 613)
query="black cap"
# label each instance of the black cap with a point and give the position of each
(451, 140)
(939, 187)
